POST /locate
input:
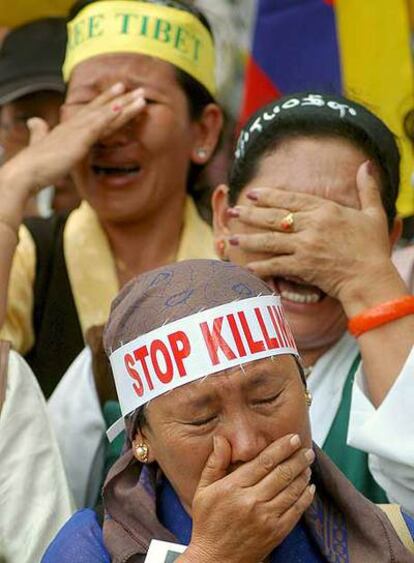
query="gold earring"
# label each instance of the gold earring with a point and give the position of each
(141, 452)
(308, 398)
(222, 249)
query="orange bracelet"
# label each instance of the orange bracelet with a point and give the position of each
(381, 314)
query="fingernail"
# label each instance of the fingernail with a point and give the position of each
(117, 88)
(138, 93)
(308, 473)
(233, 212)
(253, 195)
(312, 489)
(370, 167)
(295, 441)
(139, 102)
(234, 241)
(116, 107)
(310, 455)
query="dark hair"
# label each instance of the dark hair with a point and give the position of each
(197, 95)
(308, 125)
(135, 421)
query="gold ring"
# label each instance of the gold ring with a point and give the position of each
(288, 223)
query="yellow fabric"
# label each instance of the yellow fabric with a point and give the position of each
(85, 244)
(122, 26)
(378, 69)
(18, 326)
(393, 511)
(91, 270)
(18, 12)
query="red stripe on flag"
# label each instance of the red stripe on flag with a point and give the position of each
(259, 90)
(329, 2)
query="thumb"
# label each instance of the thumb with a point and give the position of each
(38, 129)
(217, 462)
(368, 187)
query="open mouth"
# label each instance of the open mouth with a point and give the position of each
(297, 292)
(127, 170)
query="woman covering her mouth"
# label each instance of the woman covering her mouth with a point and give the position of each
(219, 456)
(310, 208)
(140, 120)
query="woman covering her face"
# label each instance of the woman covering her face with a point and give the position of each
(138, 123)
(218, 454)
(310, 208)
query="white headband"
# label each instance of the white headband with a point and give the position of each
(196, 346)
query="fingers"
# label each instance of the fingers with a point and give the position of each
(38, 129)
(277, 266)
(263, 217)
(288, 475)
(255, 470)
(283, 199)
(217, 463)
(368, 187)
(109, 94)
(126, 108)
(288, 519)
(270, 242)
(101, 120)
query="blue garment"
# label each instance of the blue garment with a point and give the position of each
(410, 523)
(79, 541)
(81, 538)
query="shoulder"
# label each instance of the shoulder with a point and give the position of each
(22, 391)
(80, 539)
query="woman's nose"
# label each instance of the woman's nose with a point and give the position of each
(246, 438)
(125, 135)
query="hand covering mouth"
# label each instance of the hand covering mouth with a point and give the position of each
(296, 291)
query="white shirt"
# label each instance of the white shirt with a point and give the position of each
(35, 500)
(80, 428)
(386, 433)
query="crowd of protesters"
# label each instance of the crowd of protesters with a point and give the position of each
(241, 389)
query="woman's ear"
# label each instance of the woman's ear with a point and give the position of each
(207, 132)
(141, 447)
(396, 231)
(220, 205)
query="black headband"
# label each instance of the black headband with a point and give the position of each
(307, 108)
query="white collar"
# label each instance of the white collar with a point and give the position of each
(326, 383)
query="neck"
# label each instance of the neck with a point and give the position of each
(151, 242)
(310, 357)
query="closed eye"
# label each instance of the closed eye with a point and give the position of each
(151, 100)
(202, 421)
(268, 400)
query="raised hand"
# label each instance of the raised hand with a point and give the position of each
(242, 516)
(52, 154)
(327, 243)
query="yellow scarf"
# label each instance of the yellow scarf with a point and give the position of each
(91, 267)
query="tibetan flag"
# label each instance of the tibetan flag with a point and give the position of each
(359, 48)
(17, 12)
